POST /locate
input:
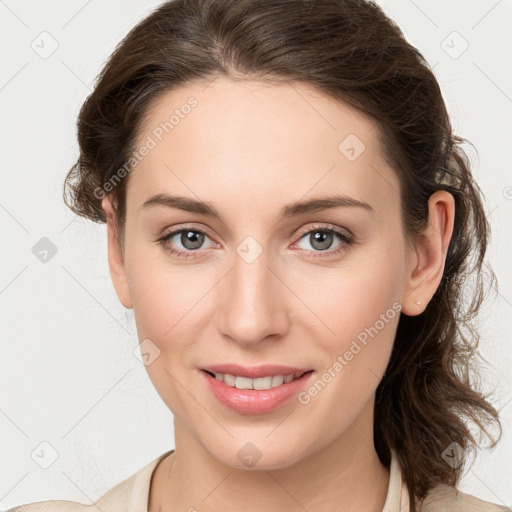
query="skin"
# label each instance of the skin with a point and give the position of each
(279, 145)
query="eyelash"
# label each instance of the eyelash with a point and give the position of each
(345, 238)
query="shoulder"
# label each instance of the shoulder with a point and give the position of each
(51, 505)
(130, 494)
(115, 500)
(444, 498)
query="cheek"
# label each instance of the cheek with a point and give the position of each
(348, 299)
(164, 295)
(166, 305)
(363, 325)
(358, 307)
(363, 316)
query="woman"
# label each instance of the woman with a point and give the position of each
(291, 219)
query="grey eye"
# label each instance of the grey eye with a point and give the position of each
(191, 239)
(319, 239)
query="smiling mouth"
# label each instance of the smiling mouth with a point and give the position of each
(261, 383)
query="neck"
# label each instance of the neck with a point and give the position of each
(343, 475)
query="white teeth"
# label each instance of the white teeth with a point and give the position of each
(262, 383)
(277, 380)
(258, 384)
(229, 379)
(243, 383)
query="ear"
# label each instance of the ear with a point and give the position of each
(428, 254)
(115, 257)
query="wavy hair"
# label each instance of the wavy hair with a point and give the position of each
(351, 51)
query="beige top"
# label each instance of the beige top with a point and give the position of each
(132, 495)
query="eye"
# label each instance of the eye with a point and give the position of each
(321, 239)
(188, 242)
(190, 239)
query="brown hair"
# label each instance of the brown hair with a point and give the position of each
(349, 50)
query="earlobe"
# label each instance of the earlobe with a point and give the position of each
(428, 256)
(115, 257)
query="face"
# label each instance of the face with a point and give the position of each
(264, 282)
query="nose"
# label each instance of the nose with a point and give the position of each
(253, 303)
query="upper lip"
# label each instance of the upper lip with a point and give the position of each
(254, 372)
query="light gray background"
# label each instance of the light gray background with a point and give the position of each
(69, 375)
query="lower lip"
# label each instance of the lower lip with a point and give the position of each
(252, 401)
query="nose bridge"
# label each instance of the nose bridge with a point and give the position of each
(253, 305)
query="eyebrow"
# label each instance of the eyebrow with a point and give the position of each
(298, 208)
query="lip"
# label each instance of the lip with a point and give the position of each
(252, 401)
(254, 372)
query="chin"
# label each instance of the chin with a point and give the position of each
(258, 454)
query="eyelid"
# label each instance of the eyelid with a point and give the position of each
(324, 226)
(184, 227)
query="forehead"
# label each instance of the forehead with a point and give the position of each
(246, 141)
